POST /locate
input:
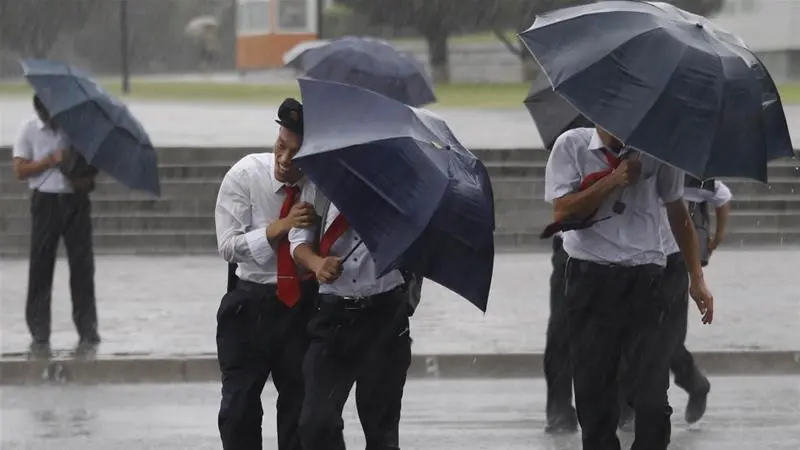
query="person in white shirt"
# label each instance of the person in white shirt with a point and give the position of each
(359, 335)
(614, 271)
(261, 321)
(699, 195)
(60, 207)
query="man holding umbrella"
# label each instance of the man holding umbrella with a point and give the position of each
(609, 201)
(261, 321)
(60, 207)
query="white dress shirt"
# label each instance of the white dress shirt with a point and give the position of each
(249, 200)
(37, 141)
(359, 277)
(719, 197)
(632, 238)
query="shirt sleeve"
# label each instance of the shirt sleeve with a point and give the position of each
(670, 183)
(562, 175)
(22, 146)
(722, 195)
(237, 241)
(300, 236)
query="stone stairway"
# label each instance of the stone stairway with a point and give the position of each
(181, 222)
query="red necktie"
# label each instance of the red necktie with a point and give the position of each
(288, 283)
(334, 232)
(581, 224)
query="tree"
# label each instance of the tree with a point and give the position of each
(32, 27)
(435, 20)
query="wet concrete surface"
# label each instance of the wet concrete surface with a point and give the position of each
(241, 124)
(744, 414)
(163, 306)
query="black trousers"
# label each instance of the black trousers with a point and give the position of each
(557, 368)
(687, 375)
(368, 346)
(616, 312)
(55, 216)
(259, 336)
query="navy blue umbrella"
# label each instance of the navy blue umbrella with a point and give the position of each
(666, 82)
(99, 126)
(552, 114)
(417, 197)
(371, 64)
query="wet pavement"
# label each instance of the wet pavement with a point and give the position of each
(238, 124)
(743, 414)
(164, 306)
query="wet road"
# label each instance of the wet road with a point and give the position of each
(237, 124)
(744, 414)
(167, 306)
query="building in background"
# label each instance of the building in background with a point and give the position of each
(266, 29)
(768, 28)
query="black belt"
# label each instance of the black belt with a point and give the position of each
(359, 303)
(271, 289)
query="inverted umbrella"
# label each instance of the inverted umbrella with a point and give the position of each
(372, 64)
(552, 114)
(99, 126)
(416, 196)
(666, 82)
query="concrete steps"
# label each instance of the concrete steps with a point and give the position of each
(181, 221)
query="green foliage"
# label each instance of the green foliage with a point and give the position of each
(31, 27)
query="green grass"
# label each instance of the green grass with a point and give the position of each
(450, 95)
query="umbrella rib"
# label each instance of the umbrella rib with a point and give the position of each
(388, 200)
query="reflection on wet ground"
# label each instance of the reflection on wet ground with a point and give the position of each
(744, 414)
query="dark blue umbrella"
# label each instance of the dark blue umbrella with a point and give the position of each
(552, 114)
(416, 196)
(666, 82)
(99, 126)
(371, 64)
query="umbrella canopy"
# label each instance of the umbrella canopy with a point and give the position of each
(201, 24)
(99, 126)
(666, 82)
(294, 56)
(416, 196)
(552, 114)
(372, 64)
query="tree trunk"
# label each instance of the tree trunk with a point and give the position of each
(438, 55)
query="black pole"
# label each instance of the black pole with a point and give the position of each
(320, 17)
(123, 42)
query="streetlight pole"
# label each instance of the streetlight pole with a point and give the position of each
(123, 42)
(320, 17)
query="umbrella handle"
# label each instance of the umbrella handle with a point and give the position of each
(352, 250)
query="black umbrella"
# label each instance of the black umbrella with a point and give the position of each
(99, 126)
(666, 82)
(416, 196)
(552, 114)
(371, 64)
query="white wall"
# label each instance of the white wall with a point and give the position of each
(765, 25)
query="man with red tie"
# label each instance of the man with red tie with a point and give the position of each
(261, 321)
(359, 335)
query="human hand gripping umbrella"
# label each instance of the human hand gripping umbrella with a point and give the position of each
(666, 82)
(418, 199)
(98, 126)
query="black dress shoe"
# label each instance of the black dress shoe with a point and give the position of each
(566, 422)
(40, 350)
(696, 407)
(87, 347)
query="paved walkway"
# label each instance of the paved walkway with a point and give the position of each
(743, 414)
(167, 305)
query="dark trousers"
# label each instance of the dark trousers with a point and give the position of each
(367, 345)
(557, 368)
(259, 336)
(687, 375)
(616, 312)
(55, 216)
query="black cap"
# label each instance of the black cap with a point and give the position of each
(290, 116)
